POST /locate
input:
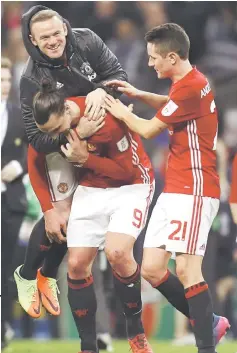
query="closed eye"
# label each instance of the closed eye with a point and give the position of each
(44, 37)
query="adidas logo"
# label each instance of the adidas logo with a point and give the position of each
(59, 85)
(202, 247)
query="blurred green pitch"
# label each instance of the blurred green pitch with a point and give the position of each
(58, 346)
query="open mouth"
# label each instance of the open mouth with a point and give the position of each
(54, 48)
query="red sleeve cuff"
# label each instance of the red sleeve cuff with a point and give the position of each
(46, 206)
(91, 161)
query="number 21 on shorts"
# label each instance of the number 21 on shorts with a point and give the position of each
(180, 231)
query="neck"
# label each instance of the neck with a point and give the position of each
(62, 60)
(182, 70)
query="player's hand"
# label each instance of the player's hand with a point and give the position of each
(130, 108)
(94, 102)
(87, 128)
(55, 226)
(10, 172)
(116, 107)
(76, 149)
(124, 87)
(225, 189)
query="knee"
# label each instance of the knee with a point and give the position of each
(152, 274)
(188, 275)
(78, 267)
(146, 271)
(182, 273)
(118, 256)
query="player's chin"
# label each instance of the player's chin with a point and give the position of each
(160, 75)
(54, 54)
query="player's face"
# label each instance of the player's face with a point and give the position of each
(6, 82)
(162, 65)
(50, 37)
(57, 124)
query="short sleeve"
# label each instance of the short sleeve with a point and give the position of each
(183, 105)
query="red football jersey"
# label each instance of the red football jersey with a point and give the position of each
(121, 150)
(233, 187)
(118, 147)
(192, 118)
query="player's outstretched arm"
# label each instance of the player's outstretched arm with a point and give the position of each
(154, 100)
(54, 221)
(143, 127)
(38, 178)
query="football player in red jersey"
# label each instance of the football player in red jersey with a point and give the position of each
(184, 212)
(109, 206)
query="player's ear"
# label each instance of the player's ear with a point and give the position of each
(65, 28)
(33, 40)
(66, 107)
(173, 58)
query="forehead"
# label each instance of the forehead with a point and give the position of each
(46, 26)
(152, 49)
(55, 121)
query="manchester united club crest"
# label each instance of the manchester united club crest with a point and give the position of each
(88, 71)
(62, 188)
(91, 147)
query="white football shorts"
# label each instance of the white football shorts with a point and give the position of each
(180, 223)
(61, 177)
(96, 211)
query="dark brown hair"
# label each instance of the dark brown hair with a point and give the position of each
(171, 38)
(46, 102)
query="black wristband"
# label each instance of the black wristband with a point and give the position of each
(107, 89)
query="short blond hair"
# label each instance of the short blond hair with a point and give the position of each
(6, 63)
(44, 15)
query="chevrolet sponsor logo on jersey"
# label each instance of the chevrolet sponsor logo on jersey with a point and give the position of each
(88, 71)
(169, 108)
